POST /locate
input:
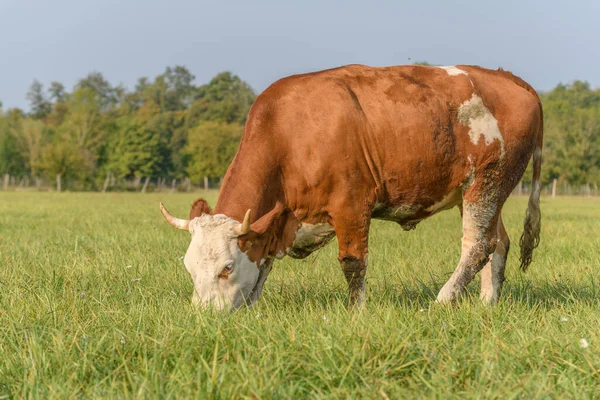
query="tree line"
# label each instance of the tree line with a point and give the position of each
(168, 128)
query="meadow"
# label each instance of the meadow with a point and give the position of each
(95, 302)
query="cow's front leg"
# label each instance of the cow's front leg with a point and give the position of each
(353, 237)
(355, 271)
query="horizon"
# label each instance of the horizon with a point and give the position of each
(546, 43)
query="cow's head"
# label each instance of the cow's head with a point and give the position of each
(224, 256)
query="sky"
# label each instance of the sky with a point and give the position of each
(545, 42)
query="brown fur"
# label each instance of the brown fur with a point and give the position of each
(349, 144)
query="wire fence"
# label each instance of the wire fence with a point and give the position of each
(110, 184)
(165, 184)
(555, 189)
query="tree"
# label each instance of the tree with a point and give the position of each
(39, 104)
(136, 151)
(226, 98)
(57, 91)
(171, 91)
(82, 124)
(572, 134)
(31, 137)
(63, 159)
(211, 148)
(95, 83)
(180, 89)
(11, 158)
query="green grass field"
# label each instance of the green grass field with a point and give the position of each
(95, 302)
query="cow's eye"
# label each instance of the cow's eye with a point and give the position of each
(226, 271)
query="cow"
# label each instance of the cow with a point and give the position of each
(323, 153)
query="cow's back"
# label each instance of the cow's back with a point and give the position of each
(403, 139)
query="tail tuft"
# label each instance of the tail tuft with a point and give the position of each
(530, 239)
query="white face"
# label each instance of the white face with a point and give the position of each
(223, 275)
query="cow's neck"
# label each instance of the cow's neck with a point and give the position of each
(248, 185)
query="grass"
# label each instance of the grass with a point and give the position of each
(95, 302)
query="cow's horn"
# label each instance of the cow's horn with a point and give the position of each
(183, 224)
(244, 227)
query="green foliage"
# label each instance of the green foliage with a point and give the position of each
(12, 160)
(211, 148)
(39, 104)
(57, 91)
(572, 134)
(31, 134)
(95, 303)
(82, 124)
(103, 92)
(226, 98)
(136, 152)
(67, 160)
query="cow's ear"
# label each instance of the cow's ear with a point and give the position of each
(257, 242)
(265, 222)
(249, 236)
(198, 208)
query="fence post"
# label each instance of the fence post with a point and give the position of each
(173, 185)
(554, 188)
(58, 183)
(206, 183)
(106, 181)
(6, 181)
(145, 184)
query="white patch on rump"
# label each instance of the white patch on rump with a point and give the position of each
(482, 122)
(453, 71)
(308, 234)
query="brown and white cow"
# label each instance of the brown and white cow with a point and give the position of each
(323, 153)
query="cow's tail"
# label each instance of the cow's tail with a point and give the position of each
(530, 238)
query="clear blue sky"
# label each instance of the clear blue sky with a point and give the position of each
(545, 42)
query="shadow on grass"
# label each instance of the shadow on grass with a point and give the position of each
(418, 294)
(550, 294)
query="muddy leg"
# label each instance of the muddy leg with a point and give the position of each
(492, 275)
(478, 242)
(353, 248)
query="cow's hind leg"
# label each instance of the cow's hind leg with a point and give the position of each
(478, 242)
(353, 237)
(492, 275)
